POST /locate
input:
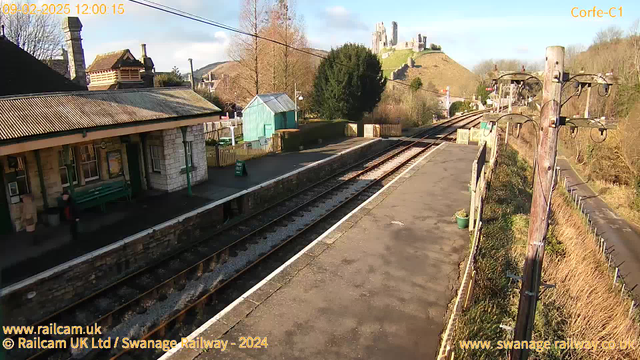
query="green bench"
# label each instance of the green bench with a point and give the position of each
(102, 194)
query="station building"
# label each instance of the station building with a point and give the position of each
(55, 135)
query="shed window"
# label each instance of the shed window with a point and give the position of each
(89, 162)
(64, 178)
(156, 158)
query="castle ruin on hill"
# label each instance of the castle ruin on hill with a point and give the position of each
(380, 41)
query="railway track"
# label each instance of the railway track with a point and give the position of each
(155, 299)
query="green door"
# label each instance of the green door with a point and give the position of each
(133, 158)
(268, 130)
(5, 217)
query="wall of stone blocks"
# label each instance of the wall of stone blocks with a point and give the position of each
(172, 176)
(49, 160)
(69, 285)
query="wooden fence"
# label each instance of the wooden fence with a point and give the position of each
(480, 177)
(219, 156)
(379, 130)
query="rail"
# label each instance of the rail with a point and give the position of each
(160, 329)
(224, 253)
(481, 174)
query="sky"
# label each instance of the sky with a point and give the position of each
(468, 31)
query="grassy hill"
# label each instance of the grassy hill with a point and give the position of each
(205, 69)
(434, 67)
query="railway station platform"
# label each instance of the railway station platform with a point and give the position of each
(23, 255)
(375, 286)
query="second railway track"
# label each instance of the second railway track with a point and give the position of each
(163, 295)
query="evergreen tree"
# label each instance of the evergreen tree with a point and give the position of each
(349, 82)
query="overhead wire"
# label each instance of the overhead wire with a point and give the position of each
(203, 20)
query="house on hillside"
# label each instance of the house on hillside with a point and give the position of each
(267, 113)
(121, 70)
(98, 145)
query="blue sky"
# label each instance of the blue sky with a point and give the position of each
(468, 31)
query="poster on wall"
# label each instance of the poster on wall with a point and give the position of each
(114, 160)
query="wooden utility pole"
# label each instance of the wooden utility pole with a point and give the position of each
(541, 202)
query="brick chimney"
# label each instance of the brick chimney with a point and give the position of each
(72, 28)
(147, 74)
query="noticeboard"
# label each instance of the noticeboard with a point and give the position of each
(241, 168)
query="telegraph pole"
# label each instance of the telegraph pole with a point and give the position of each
(541, 202)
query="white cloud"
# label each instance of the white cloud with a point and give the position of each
(338, 17)
(337, 11)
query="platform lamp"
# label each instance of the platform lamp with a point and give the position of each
(297, 96)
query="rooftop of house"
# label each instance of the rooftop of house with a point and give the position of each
(21, 73)
(114, 60)
(41, 114)
(276, 102)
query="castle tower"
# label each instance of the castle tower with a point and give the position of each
(394, 34)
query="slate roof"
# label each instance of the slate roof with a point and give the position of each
(114, 60)
(39, 114)
(21, 73)
(277, 102)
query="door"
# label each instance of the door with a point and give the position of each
(6, 226)
(133, 158)
(268, 130)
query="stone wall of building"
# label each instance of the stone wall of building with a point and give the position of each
(172, 175)
(50, 163)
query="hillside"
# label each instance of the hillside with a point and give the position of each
(232, 68)
(435, 67)
(205, 69)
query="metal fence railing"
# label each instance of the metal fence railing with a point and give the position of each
(481, 173)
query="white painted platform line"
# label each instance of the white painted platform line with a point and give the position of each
(11, 288)
(211, 321)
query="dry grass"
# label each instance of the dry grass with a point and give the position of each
(618, 196)
(443, 71)
(584, 303)
(593, 309)
(401, 106)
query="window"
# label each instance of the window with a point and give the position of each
(156, 158)
(17, 180)
(89, 162)
(189, 155)
(64, 178)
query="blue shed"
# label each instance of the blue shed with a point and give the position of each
(265, 114)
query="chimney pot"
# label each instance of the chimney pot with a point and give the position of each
(144, 49)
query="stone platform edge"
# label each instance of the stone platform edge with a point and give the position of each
(47, 273)
(230, 316)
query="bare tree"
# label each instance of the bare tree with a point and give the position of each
(287, 65)
(39, 35)
(610, 34)
(246, 49)
(570, 55)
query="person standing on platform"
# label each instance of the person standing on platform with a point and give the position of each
(70, 213)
